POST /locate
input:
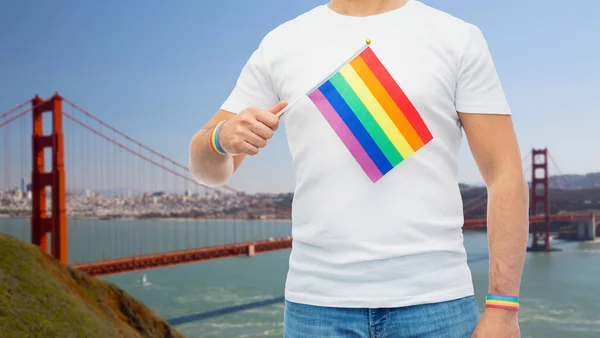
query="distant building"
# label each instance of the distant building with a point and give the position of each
(23, 184)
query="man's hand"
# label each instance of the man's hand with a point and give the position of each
(498, 323)
(249, 130)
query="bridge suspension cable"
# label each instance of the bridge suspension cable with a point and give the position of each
(122, 146)
(19, 115)
(15, 109)
(560, 176)
(141, 145)
(14, 118)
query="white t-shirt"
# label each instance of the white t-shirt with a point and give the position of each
(397, 241)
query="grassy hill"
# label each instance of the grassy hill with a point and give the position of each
(39, 297)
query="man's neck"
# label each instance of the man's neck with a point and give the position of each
(365, 7)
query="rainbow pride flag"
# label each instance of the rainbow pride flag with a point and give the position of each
(370, 113)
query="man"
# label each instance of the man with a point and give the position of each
(384, 257)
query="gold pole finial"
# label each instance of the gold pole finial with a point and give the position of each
(368, 42)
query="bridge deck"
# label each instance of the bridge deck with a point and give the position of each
(128, 264)
(144, 262)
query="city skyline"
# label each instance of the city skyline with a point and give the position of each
(161, 80)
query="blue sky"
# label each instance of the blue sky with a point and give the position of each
(159, 69)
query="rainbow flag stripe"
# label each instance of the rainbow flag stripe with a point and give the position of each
(370, 113)
(502, 302)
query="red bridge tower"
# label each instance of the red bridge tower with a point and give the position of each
(41, 222)
(540, 197)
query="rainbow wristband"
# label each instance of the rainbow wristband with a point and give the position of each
(214, 139)
(502, 302)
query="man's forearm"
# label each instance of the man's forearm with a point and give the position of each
(206, 165)
(508, 231)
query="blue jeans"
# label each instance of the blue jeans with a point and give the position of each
(452, 319)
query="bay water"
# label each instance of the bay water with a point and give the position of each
(243, 297)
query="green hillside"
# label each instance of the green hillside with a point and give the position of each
(39, 297)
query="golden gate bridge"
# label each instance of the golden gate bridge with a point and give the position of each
(71, 155)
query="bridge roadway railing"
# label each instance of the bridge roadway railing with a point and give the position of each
(127, 264)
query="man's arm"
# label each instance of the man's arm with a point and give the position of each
(495, 149)
(243, 134)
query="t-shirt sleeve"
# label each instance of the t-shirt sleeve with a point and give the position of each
(254, 86)
(478, 89)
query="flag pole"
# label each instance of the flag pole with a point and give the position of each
(367, 43)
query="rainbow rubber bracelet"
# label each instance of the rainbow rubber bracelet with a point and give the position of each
(214, 139)
(502, 302)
